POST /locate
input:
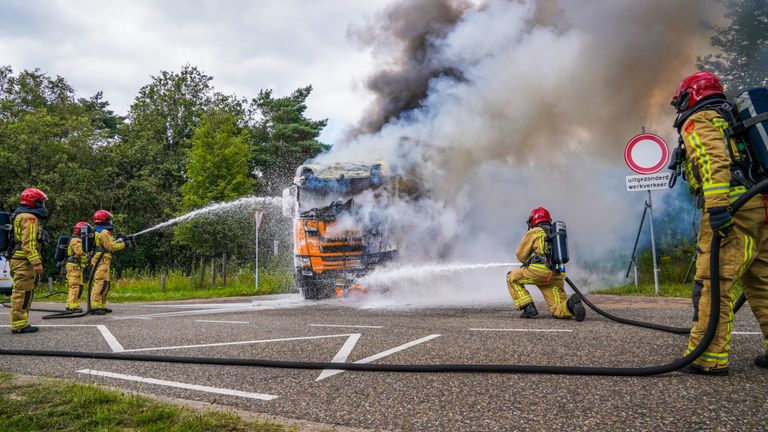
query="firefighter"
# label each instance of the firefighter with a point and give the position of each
(77, 261)
(106, 244)
(537, 269)
(25, 256)
(744, 253)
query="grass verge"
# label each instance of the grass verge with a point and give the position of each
(181, 287)
(54, 405)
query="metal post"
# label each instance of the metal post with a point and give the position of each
(653, 244)
(258, 218)
(637, 283)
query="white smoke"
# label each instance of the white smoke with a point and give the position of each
(539, 101)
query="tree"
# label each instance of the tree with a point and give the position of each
(218, 171)
(283, 138)
(743, 62)
(51, 140)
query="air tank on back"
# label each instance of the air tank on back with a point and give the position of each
(559, 237)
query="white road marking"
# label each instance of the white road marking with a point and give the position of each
(131, 318)
(223, 322)
(340, 356)
(105, 333)
(238, 343)
(520, 330)
(386, 353)
(746, 333)
(223, 391)
(110, 338)
(346, 325)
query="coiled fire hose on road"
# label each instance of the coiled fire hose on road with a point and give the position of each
(679, 363)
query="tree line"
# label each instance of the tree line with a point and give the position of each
(182, 145)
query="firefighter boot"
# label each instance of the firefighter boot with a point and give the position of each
(576, 307)
(762, 360)
(529, 311)
(27, 329)
(695, 369)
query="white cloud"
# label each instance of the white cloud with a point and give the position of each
(245, 45)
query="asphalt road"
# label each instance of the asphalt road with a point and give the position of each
(289, 328)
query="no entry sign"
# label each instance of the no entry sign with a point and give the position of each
(646, 153)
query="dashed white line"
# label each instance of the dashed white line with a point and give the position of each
(340, 356)
(216, 390)
(746, 333)
(521, 330)
(238, 343)
(387, 353)
(222, 322)
(346, 325)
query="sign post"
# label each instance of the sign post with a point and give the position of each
(646, 154)
(259, 216)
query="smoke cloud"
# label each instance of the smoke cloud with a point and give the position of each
(502, 106)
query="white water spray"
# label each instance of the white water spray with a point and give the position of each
(216, 207)
(387, 276)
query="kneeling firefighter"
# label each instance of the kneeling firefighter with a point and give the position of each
(106, 243)
(25, 256)
(535, 252)
(77, 261)
(720, 165)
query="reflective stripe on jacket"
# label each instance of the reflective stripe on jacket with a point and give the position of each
(26, 230)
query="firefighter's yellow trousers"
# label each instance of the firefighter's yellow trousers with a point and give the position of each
(549, 283)
(75, 282)
(101, 284)
(23, 275)
(743, 262)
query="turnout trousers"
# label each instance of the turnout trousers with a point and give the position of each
(743, 262)
(75, 283)
(23, 289)
(101, 284)
(549, 283)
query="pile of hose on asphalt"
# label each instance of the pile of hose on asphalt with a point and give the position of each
(709, 334)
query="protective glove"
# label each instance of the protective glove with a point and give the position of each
(720, 220)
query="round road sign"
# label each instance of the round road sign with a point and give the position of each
(646, 153)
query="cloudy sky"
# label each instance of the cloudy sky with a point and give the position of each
(115, 46)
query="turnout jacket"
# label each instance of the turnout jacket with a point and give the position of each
(26, 230)
(708, 161)
(75, 252)
(534, 243)
(105, 244)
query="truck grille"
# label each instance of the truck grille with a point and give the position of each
(342, 248)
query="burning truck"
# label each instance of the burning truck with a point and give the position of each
(341, 230)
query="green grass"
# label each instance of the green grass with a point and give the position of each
(55, 405)
(137, 288)
(648, 290)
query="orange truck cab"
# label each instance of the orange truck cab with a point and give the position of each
(340, 227)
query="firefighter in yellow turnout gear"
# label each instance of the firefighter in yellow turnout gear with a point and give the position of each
(536, 270)
(744, 244)
(77, 261)
(25, 257)
(106, 244)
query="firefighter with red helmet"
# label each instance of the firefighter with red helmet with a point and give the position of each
(106, 244)
(537, 269)
(77, 261)
(25, 256)
(702, 125)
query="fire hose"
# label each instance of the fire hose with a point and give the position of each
(679, 363)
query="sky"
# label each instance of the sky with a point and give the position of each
(116, 46)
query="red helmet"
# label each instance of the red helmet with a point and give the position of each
(694, 88)
(102, 217)
(539, 215)
(79, 226)
(33, 197)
